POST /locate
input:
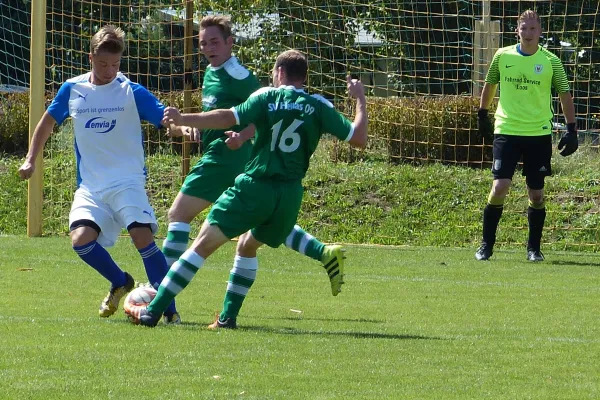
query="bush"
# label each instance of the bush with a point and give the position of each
(414, 130)
(423, 129)
(14, 122)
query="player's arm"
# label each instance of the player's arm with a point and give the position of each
(215, 119)
(361, 118)
(490, 85)
(42, 132)
(56, 113)
(334, 123)
(487, 95)
(193, 134)
(235, 140)
(561, 83)
(566, 101)
(569, 142)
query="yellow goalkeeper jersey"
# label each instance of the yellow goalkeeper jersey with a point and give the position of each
(526, 81)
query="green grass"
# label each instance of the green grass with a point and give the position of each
(363, 202)
(424, 323)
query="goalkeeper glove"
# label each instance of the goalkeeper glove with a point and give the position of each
(569, 141)
(485, 125)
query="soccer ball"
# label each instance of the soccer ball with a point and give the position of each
(136, 299)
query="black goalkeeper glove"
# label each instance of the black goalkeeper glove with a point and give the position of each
(485, 125)
(569, 141)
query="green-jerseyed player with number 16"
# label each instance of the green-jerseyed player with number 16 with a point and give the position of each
(263, 204)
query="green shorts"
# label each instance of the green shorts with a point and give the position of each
(270, 208)
(216, 170)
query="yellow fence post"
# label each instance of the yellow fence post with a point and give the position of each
(188, 51)
(37, 83)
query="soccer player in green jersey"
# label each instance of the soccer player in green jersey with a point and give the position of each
(262, 206)
(226, 84)
(526, 72)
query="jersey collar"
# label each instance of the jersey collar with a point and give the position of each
(290, 87)
(524, 54)
(230, 60)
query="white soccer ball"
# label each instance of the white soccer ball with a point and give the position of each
(136, 299)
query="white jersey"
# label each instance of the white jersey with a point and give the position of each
(108, 134)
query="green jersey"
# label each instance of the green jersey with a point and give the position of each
(525, 106)
(224, 87)
(289, 124)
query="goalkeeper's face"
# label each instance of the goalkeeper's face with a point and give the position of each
(105, 67)
(214, 46)
(529, 31)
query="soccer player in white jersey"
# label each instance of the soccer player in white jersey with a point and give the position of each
(526, 73)
(106, 109)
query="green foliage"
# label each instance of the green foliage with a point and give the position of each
(422, 129)
(14, 122)
(363, 202)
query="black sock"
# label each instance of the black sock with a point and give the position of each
(536, 218)
(491, 218)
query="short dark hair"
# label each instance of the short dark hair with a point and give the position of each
(294, 65)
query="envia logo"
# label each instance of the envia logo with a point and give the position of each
(101, 124)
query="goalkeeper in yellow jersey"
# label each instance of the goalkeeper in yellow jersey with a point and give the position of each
(526, 73)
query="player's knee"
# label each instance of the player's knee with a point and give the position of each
(179, 214)
(247, 245)
(536, 198)
(500, 188)
(83, 232)
(141, 234)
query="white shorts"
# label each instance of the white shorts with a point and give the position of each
(112, 210)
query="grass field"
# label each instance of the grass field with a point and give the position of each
(366, 202)
(411, 323)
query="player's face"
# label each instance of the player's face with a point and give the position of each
(214, 46)
(529, 32)
(104, 67)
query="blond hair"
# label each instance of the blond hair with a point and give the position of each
(223, 22)
(529, 14)
(294, 64)
(110, 39)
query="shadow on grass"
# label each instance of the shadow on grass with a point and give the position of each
(576, 263)
(351, 334)
(361, 320)
(293, 331)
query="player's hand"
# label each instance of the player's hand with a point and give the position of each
(171, 116)
(193, 134)
(26, 170)
(484, 124)
(569, 141)
(355, 87)
(234, 140)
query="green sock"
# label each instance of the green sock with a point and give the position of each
(304, 243)
(179, 276)
(176, 242)
(241, 278)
